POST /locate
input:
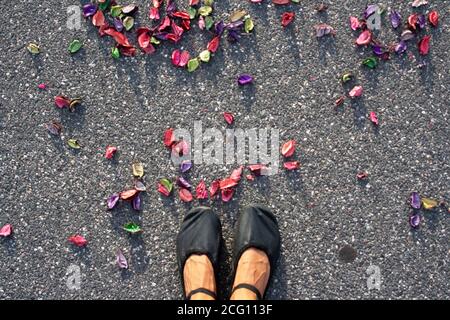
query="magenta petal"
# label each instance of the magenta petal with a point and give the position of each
(182, 182)
(245, 79)
(6, 230)
(112, 200)
(121, 261)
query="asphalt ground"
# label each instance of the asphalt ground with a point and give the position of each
(49, 192)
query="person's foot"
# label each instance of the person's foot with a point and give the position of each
(253, 269)
(199, 273)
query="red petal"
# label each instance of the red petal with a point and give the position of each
(6, 230)
(373, 117)
(154, 14)
(287, 18)
(62, 102)
(424, 45)
(169, 137)
(181, 14)
(229, 118)
(98, 19)
(128, 194)
(256, 168)
(280, 1)
(237, 173)
(120, 38)
(78, 240)
(144, 40)
(362, 175)
(185, 195)
(412, 21)
(110, 151)
(227, 194)
(288, 148)
(176, 29)
(193, 2)
(214, 188)
(162, 189)
(184, 59)
(364, 38)
(200, 191)
(186, 24)
(176, 56)
(292, 165)
(128, 51)
(180, 149)
(250, 177)
(227, 183)
(164, 24)
(433, 17)
(213, 45)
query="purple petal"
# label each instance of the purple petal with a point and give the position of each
(137, 202)
(400, 47)
(171, 7)
(414, 220)
(396, 19)
(245, 79)
(185, 166)
(112, 200)
(235, 26)
(370, 10)
(118, 25)
(139, 185)
(121, 261)
(89, 9)
(233, 36)
(414, 200)
(183, 183)
(161, 35)
(378, 50)
(219, 27)
(422, 21)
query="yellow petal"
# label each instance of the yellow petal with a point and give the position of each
(138, 169)
(429, 204)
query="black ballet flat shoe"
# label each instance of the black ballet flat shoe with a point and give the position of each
(200, 233)
(256, 228)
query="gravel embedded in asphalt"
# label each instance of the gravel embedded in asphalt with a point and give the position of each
(49, 192)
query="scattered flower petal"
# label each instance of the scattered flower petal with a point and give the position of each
(78, 240)
(73, 143)
(183, 183)
(373, 117)
(201, 191)
(128, 194)
(138, 169)
(110, 152)
(414, 200)
(112, 201)
(6, 230)
(288, 148)
(132, 228)
(414, 220)
(121, 261)
(424, 45)
(245, 79)
(356, 92)
(229, 118)
(185, 195)
(429, 204)
(292, 165)
(287, 18)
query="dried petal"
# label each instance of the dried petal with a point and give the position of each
(183, 183)
(54, 127)
(292, 165)
(185, 166)
(33, 48)
(433, 17)
(139, 185)
(201, 191)
(128, 194)
(245, 79)
(429, 204)
(356, 92)
(78, 240)
(324, 29)
(138, 169)
(132, 228)
(364, 38)
(339, 101)
(227, 194)
(288, 148)
(424, 45)
(396, 19)
(185, 195)
(414, 200)
(121, 261)
(362, 175)
(112, 200)
(237, 15)
(373, 117)
(229, 118)
(287, 18)
(6, 230)
(110, 152)
(214, 188)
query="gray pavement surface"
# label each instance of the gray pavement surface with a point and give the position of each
(48, 191)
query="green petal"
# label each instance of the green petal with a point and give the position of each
(132, 227)
(75, 46)
(104, 5)
(193, 64)
(73, 143)
(209, 2)
(116, 11)
(205, 11)
(153, 40)
(128, 23)
(346, 77)
(370, 62)
(192, 12)
(209, 22)
(205, 55)
(33, 48)
(115, 53)
(248, 25)
(167, 184)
